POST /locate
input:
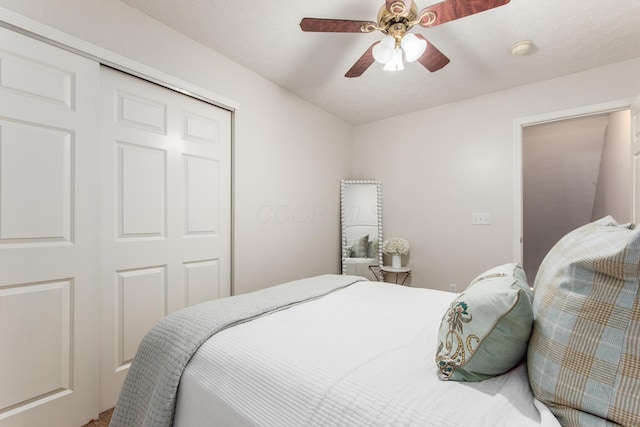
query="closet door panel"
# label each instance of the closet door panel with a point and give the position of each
(201, 182)
(202, 281)
(166, 192)
(49, 335)
(142, 300)
(35, 183)
(141, 196)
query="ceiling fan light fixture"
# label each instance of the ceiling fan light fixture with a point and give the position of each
(396, 18)
(413, 47)
(396, 63)
(383, 52)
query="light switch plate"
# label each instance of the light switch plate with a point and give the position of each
(480, 218)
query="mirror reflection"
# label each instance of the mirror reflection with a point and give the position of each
(361, 220)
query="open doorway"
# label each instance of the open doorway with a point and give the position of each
(574, 171)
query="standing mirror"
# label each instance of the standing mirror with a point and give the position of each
(361, 220)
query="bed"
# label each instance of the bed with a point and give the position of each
(341, 350)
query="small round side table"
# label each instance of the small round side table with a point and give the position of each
(398, 271)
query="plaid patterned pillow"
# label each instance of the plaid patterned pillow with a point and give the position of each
(584, 352)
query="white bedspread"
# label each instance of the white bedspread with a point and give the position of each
(363, 356)
(360, 267)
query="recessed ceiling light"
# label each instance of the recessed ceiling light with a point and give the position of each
(523, 47)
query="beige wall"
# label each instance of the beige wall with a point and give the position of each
(613, 193)
(289, 154)
(441, 164)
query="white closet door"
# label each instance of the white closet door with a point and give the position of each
(49, 140)
(166, 213)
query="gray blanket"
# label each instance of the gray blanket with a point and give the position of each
(148, 396)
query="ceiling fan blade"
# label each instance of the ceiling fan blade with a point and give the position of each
(398, 7)
(336, 25)
(432, 59)
(450, 10)
(363, 63)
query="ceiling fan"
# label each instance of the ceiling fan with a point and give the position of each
(395, 19)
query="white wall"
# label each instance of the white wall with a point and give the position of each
(441, 164)
(289, 154)
(613, 194)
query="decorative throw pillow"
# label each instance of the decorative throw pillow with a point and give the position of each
(486, 329)
(359, 247)
(584, 352)
(373, 248)
(348, 250)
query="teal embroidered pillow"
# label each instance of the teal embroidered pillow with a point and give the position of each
(486, 329)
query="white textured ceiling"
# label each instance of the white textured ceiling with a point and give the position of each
(264, 36)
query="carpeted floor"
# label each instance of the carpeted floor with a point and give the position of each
(103, 421)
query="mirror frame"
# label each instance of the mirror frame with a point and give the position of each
(343, 184)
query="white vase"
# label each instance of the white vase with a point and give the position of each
(396, 261)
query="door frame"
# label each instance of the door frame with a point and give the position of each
(518, 126)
